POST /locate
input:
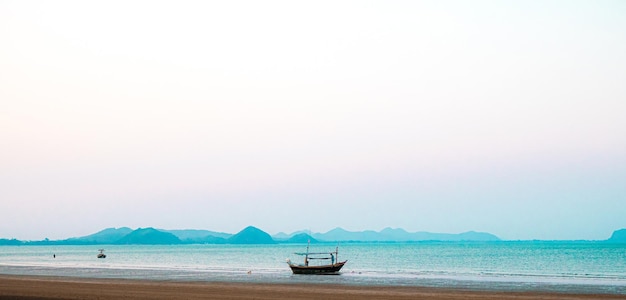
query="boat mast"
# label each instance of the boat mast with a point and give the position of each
(306, 257)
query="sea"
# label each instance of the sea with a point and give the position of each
(550, 266)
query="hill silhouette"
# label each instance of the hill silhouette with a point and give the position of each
(196, 235)
(301, 238)
(149, 236)
(400, 235)
(10, 242)
(106, 236)
(618, 236)
(251, 235)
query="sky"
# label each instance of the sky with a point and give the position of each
(506, 117)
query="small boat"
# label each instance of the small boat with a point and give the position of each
(101, 254)
(318, 269)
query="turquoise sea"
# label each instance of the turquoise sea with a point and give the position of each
(581, 267)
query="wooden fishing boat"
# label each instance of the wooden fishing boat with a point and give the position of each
(318, 269)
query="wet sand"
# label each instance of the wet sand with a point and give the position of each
(36, 287)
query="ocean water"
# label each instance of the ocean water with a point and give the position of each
(577, 267)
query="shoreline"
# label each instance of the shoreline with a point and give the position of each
(55, 287)
(346, 280)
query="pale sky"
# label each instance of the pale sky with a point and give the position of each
(446, 116)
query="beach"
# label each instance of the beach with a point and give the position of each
(41, 287)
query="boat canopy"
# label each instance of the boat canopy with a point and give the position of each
(313, 253)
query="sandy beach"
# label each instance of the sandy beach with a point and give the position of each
(32, 287)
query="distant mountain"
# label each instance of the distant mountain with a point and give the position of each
(285, 236)
(11, 242)
(618, 236)
(106, 236)
(396, 234)
(208, 240)
(251, 235)
(194, 236)
(300, 238)
(340, 234)
(149, 236)
(474, 236)
(400, 235)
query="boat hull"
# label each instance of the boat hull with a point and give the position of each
(318, 270)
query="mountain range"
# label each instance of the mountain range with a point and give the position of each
(393, 235)
(253, 235)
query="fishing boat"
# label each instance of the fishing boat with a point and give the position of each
(318, 269)
(101, 254)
